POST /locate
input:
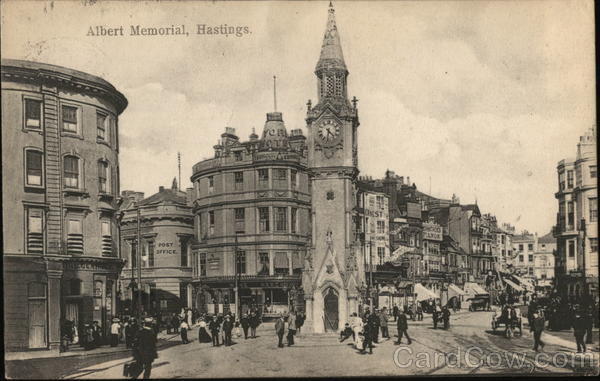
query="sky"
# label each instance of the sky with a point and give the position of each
(474, 98)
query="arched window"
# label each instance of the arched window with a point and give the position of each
(71, 172)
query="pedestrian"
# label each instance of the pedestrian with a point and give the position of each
(589, 323)
(245, 323)
(395, 311)
(280, 330)
(368, 332)
(579, 331)
(383, 323)
(537, 328)
(227, 328)
(291, 328)
(175, 323)
(346, 332)
(96, 333)
(183, 328)
(130, 332)
(435, 315)
(402, 326)
(253, 324)
(144, 349)
(375, 322)
(188, 316)
(446, 317)
(214, 328)
(300, 321)
(203, 336)
(419, 312)
(115, 328)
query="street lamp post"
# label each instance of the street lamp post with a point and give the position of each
(139, 266)
(237, 274)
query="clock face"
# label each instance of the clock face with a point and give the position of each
(328, 131)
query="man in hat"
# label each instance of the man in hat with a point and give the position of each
(115, 328)
(214, 328)
(130, 332)
(579, 330)
(402, 325)
(96, 333)
(280, 330)
(183, 328)
(144, 349)
(537, 326)
(227, 328)
(291, 328)
(245, 322)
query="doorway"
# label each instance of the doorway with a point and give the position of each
(331, 306)
(37, 315)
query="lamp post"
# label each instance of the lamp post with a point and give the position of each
(139, 266)
(237, 275)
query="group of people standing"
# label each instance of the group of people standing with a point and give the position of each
(365, 330)
(290, 324)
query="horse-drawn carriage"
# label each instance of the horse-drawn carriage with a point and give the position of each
(479, 303)
(511, 319)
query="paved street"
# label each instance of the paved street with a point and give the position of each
(469, 347)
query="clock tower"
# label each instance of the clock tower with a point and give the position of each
(333, 270)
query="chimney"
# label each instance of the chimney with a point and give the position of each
(161, 188)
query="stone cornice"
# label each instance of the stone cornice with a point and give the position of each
(28, 71)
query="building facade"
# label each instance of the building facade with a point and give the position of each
(251, 206)
(576, 227)
(166, 233)
(60, 172)
(543, 262)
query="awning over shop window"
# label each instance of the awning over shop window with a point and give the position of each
(296, 261)
(281, 261)
(525, 283)
(513, 285)
(474, 288)
(423, 293)
(454, 290)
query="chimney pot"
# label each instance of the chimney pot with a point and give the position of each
(161, 188)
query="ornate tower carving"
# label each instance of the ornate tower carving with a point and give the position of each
(330, 286)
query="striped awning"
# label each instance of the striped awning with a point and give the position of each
(281, 261)
(513, 285)
(296, 260)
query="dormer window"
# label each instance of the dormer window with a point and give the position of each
(238, 155)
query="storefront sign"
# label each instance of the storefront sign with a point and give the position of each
(432, 232)
(166, 248)
(91, 266)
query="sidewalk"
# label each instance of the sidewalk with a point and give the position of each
(76, 350)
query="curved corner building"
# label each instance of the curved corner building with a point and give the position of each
(251, 207)
(60, 187)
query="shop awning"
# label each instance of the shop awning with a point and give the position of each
(423, 293)
(475, 288)
(454, 290)
(281, 261)
(526, 284)
(297, 261)
(513, 285)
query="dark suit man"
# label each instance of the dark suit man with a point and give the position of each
(144, 349)
(245, 322)
(227, 328)
(214, 328)
(537, 326)
(402, 325)
(280, 330)
(579, 330)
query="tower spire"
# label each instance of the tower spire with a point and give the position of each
(275, 93)
(331, 50)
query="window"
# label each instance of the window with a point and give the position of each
(530, 270)
(150, 254)
(264, 261)
(240, 220)
(570, 215)
(238, 155)
(103, 183)
(371, 202)
(263, 219)
(593, 209)
(211, 222)
(521, 258)
(594, 245)
(381, 255)
(241, 262)
(280, 178)
(380, 227)
(35, 231)
(530, 246)
(33, 162)
(530, 258)
(294, 218)
(33, 114)
(593, 171)
(238, 180)
(71, 172)
(281, 219)
(569, 179)
(106, 238)
(75, 237)
(294, 178)
(202, 264)
(561, 181)
(520, 247)
(571, 249)
(371, 226)
(379, 202)
(69, 119)
(281, 263)
(101, 127)
(211, 184)
(263, 178)
(183, 251)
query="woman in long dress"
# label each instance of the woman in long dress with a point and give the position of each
(203, 336)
